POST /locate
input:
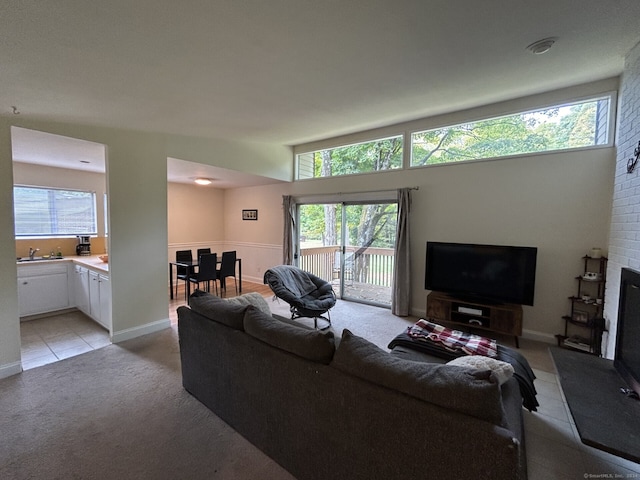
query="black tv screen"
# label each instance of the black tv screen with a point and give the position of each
(494, 273)
(627, 356)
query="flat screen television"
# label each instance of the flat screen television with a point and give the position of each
(627, 356)
(489, 273)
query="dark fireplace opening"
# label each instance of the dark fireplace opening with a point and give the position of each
(627, 353)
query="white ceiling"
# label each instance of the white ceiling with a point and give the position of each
(182, 171)
(293, 71)
(41, 148)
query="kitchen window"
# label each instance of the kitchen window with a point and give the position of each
(50, 212)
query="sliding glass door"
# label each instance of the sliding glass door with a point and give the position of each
(350, 244)
(369, 235)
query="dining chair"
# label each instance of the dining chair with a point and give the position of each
(182, 272)
(207, 272)
(227, 269)
(201, 251)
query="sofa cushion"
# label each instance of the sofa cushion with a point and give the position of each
(306, 343)
(229, 311)
(251, 298)
(502, 370)
(472, 392)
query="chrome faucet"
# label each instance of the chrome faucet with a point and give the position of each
(32, 252)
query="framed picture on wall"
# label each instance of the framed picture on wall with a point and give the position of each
(249, 214)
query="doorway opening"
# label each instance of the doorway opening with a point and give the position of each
(63, 192)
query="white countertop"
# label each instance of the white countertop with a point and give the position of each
(89, 261)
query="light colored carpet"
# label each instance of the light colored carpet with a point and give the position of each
(375, 324)
(120, 412)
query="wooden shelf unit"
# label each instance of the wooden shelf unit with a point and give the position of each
(499, 318)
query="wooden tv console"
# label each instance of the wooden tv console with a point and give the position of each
(499, 318)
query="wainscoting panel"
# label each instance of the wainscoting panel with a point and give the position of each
(256, 257)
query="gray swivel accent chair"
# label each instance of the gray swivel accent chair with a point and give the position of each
(307, 294)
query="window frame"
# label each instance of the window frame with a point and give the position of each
(401, 136)
(610, 125)
(546, 100)
(94, 207)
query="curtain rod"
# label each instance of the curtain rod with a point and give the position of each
(357, 197)
(374, 191)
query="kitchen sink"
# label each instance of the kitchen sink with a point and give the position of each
(36, 259)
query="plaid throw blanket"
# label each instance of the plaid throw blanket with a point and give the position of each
(453, 340)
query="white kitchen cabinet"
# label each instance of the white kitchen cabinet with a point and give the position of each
(81, 288)
(42, 288)
(94, 295)
(100, 299)
(105, 301)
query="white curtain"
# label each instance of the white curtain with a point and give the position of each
(288, 207)
(401, 290)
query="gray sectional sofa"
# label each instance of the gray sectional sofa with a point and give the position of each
(342, 408)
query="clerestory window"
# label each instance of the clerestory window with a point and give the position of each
(372, 156)
(575, 125)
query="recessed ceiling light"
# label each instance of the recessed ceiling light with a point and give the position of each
(542, 46)
(203, 181)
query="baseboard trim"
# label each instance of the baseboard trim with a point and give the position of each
(38, 316)
(10, 369)
(146, 329)
(252, 279)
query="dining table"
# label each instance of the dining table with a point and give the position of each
(191, 266)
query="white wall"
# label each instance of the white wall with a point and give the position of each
(9, 317)
(195, 217)
(258, 243)
(624, 248)
(210, 217)
(267, 160)
(558, 202)
(138, 238)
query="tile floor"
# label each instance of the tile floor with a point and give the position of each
(49, 339)
(554, 449)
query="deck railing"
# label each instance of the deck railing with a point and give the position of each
(365, 265)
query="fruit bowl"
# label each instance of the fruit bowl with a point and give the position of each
(104, 258)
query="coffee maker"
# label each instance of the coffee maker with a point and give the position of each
(84, 245)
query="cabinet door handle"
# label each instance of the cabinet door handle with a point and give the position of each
(25, 283)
